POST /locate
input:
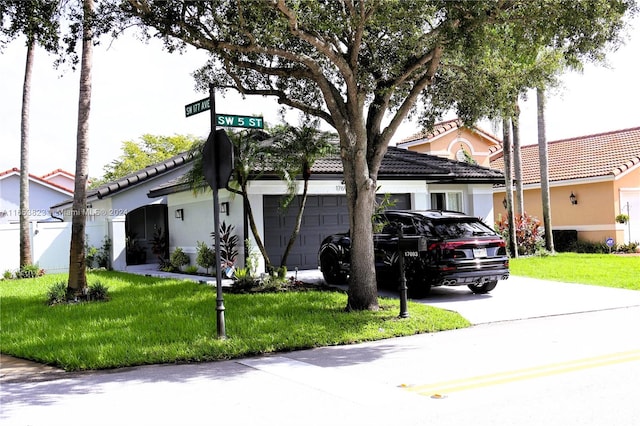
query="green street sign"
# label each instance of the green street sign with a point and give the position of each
(224, 120)
(197, 107)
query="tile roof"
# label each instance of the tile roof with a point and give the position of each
(401, 163)
(140, 176)
(397, 163)
(16, 171)
(592, 156)
(441, 128)
(57, 172)
(135, 178)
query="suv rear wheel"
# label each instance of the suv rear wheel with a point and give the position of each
(483, 288)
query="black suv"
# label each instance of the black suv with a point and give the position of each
(440, 248)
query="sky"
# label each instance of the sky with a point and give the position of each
(141, 89)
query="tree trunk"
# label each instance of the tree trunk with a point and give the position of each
(506, 150)
(361, 196)
(296, 229)
(77, 261)
(25, 240)
(544, 173)
(517, 161)
(254, 229)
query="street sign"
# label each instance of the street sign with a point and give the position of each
(225, 120)
(197, 107)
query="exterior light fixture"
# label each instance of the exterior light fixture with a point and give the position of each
(179, 214)
(504, 202)
(224, 207)
(573, 198)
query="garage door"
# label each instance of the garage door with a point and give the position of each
(323, 215)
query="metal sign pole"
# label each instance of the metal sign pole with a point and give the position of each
(216, 226)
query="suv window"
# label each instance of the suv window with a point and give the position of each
(460, 228)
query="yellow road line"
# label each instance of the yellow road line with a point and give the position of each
(446, 387)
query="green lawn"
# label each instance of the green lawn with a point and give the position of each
(151, 320)
(608, 270)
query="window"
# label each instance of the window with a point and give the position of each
(446, 201)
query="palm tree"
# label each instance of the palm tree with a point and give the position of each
(295, 152)
(25, 240)
(38, 21)
(544, 172)
(517, 160)
(506, 150)
(250, 156)
(77, 263)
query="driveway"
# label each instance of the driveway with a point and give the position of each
(518, 298)
(523, 298)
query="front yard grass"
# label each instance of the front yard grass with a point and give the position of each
(153, 320)
(609, 270)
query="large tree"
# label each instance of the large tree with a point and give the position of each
(362, 66)
(38, 21)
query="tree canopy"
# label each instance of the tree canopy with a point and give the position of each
(149, 149)
(365, 66)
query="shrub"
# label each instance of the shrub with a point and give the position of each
(243, 280)
(179, 258)
(103, 258)
(591, 247)
(98, 291)
(228, 244)
(7, 275)
(58, 293)
(629, 248)
(252, 257)
(29, 271)
(90, 254)
(205, 257)
(529, 232)
(191, 269)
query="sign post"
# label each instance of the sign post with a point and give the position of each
(217, 166)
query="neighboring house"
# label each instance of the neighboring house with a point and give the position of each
(416, 181)
(43, 193)
(61, 178)
(602, 172)
(592, 179)
(451, 139)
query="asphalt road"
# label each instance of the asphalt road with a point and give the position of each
(540, 354)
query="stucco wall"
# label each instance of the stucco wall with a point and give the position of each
(593, 216)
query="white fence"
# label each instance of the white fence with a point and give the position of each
(50, 244)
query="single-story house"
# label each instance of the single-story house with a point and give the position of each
(416, 181)
(44, 191)
(154, 198)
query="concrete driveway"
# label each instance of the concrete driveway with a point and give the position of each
(523, 298)
(518, 298)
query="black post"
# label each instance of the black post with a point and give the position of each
(404, 312)
(216, 225)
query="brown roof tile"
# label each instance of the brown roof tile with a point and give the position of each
(604, 154)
